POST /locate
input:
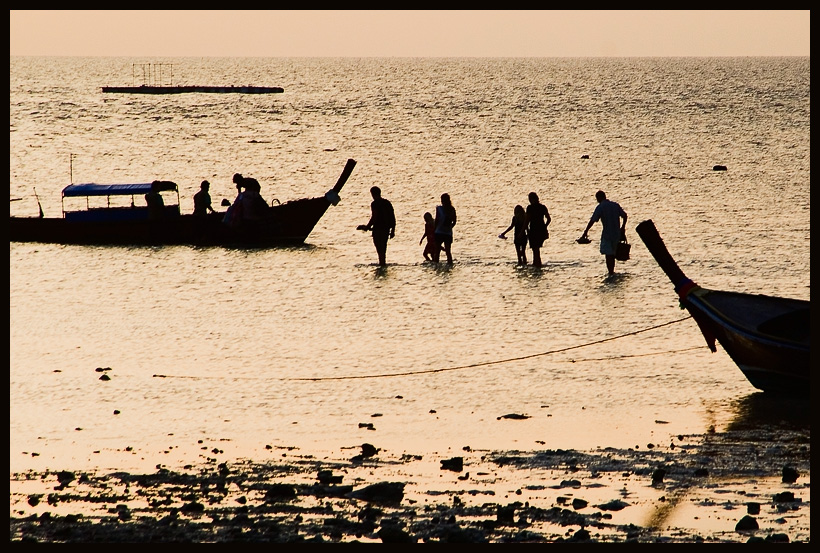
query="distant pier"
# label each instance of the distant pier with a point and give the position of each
(145, 89)
(158, 78)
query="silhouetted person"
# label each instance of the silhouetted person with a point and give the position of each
(155, 203)
(254, 206)
(156, 212)
(430, 235)
(610, 214)
(519, 224)
(382, 223)
(538, 219)
(202, 200)
(445, 221)
(233, 216)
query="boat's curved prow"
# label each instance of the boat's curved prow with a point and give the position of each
(332, 195)
(683, 285)
(654, 243)
(351, 163)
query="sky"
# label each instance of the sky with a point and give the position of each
(409, 33)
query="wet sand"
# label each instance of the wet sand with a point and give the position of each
(749, 483)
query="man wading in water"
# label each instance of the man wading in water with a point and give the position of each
(382, 223)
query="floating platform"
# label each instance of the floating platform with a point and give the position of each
(145, 89)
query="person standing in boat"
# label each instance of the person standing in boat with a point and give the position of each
(202, 205)
(382, 223)
(538, 219)
(445, 221)
(202, 200)
(609, 213)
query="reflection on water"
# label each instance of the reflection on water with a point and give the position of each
(743, 465)
(759, 411)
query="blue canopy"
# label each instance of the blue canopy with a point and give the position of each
(92, 189)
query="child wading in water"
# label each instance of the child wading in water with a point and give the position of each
(519, 223)
(429, 234)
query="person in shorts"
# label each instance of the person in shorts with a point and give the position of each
(610, 214)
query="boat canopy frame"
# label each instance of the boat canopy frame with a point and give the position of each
(91, 189)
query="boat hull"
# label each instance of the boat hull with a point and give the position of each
(288, 223)
(767, 337)
(772, 363)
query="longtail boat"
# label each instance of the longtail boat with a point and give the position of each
(286, 223)
(766, 336)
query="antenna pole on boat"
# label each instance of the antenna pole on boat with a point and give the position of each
(71, 168)
(38, 203)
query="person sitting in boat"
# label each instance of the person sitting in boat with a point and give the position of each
(233, 217)
(156, 206)
(202, 200)
(254, 206)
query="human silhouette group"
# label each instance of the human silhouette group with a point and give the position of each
(530, 226)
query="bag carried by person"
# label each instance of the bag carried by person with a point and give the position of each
(622, 251)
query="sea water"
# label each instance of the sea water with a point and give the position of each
(243, 352)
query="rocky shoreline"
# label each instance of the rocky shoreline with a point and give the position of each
(737, 486)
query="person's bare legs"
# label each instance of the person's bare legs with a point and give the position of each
(381, 249)
(536, 257)
(449, 255)
(522, 255)
(610, 264)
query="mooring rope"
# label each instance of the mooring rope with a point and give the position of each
(487, 363)
(636, 355)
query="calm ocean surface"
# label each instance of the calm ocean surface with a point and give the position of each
(237, 350)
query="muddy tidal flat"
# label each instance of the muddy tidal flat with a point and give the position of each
(732, 487)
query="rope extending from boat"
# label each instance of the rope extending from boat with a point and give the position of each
(667, 352)
(509, 360)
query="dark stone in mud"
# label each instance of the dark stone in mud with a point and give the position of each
(327, 477)
(580, 535)
(614, 505)
(394, 534)
(505, 514)
(368, 450)
(746, 523)
(330, 491)
(513, 416)
(784, 497)
(280, 492)
(456, 464)
(193, 507)
(570, 484)
(380, 492)
(65, 477)
(657, 476)
(790, 475)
